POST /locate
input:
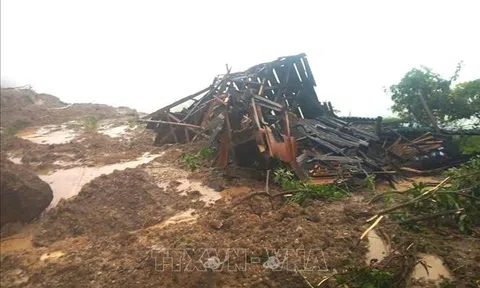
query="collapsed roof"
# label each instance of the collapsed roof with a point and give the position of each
(271, 111)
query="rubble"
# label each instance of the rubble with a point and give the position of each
(271, 110)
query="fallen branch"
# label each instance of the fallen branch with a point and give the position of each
(432, 216)
(265, 193)
(423, 196)
(459, 193)
(304, 278)
(371, 227)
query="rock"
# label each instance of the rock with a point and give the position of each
(216, 187)
(216, 224)
(23, 195)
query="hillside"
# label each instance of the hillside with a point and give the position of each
(22, 108)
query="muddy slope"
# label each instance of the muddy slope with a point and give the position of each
(21, 108)
(122, 201)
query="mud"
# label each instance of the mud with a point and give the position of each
(377, 248)
(50, 135)
(27, 106)
(121, 201)
(86, 149)
(435, 271)
(114, 231)
(67, 183)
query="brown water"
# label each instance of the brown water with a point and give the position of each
(435, 268)
(114, 132)
(185, 216)
(377, 248)
(67, 183)
(209, 196)
(50, 135)
(16, 160)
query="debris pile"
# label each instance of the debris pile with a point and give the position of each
(270, 111)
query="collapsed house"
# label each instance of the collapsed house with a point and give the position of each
(271, 111)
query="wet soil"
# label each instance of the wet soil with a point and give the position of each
(86, 149)
(116, 231)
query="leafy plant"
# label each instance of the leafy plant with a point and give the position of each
(462, 197)
(370, 182)
(468, 144)
(194, 161)
(90, 123)
(304, 191)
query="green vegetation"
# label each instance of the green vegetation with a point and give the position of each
(132, 122)
(16, 126)
(90, 123)
(304, 191)
(468, 144)
(446, 104)
(194, 161)
(370, 182)
(365, 277)
(461, 197)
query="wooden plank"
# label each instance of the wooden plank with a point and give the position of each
(189, 128)
(176, 103)
(172, 123)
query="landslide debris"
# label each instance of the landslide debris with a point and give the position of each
(121, 201)
(23, 195)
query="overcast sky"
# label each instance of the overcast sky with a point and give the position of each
(145, 54)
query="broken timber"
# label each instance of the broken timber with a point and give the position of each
(270, 111)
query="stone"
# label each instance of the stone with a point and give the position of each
(23, 195)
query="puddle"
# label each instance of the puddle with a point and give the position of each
(50, 135)
(51, 256)
(17, 242)
(16, 160)
(67, 183)
(186, 216)
(435, 268)
(377, 248)
(114, 132)
(65, 163)
(209, 196)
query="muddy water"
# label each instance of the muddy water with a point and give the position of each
(435, 268)
(209, 196)
(67, 183)
(16, 160)
(185, 216)
(377, 248)
(50, 135)
(114, 132)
